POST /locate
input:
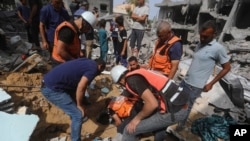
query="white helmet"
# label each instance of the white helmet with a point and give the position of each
(117, 71)
(89, 17)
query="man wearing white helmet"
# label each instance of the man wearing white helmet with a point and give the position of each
(67, 43)
(164, 102)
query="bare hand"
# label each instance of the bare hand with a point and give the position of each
(82, 110)
(132, 125)
(122, 53)
(207, 87)
(45, 45)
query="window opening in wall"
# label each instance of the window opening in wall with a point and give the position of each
(103, 7)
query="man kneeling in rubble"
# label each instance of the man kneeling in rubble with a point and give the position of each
(119, 110)
(164, 103)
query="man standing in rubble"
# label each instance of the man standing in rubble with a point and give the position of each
(139, 16)
(51, 16)
(84, 6)
(65, 87)
(87, 37)
(67, 43)
(207, 54)
(35, 6)
(167, 51)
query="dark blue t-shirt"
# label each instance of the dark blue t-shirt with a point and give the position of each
(25, 11)
(175, 52)
(66, 76)
(51, 19)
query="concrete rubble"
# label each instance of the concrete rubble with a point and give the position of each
(20, 56)
(6, 105)
(233, 27)
(185, 17)
(14, 126)
(233, 32)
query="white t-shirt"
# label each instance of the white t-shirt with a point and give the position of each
(140, 11)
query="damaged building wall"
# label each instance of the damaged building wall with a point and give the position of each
(236, 37)
(193, 13)
(182, 15)
(233, 24)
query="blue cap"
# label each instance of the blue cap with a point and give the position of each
(79, 12)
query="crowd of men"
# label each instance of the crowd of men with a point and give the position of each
(73, 69)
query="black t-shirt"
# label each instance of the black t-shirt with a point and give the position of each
(138, 84)
(37, 3)
(120, 42)
(90, 34)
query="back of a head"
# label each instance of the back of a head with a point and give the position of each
(101, 62)
(119, 20)
(103, 117)
(89, 17)
(102, 23)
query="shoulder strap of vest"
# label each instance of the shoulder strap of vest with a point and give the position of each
(169, 44)
(68, 24)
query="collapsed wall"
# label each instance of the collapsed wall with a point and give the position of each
(233, 24)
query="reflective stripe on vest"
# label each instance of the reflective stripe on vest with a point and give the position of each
(74, 47)
(160, 62)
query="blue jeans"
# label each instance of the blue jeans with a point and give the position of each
(157, 123)
(64, 101)
(194, 93)
(122, 59)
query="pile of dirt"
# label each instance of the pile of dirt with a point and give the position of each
(24, 89)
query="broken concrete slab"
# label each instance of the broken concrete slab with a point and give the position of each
(4, 96)
(28, 64)
(6, 104)
(58, 139)
(14, 127)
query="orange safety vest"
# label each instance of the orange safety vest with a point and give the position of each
(121, 105)
(156, 80)
(73, 50)
(162, 62)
